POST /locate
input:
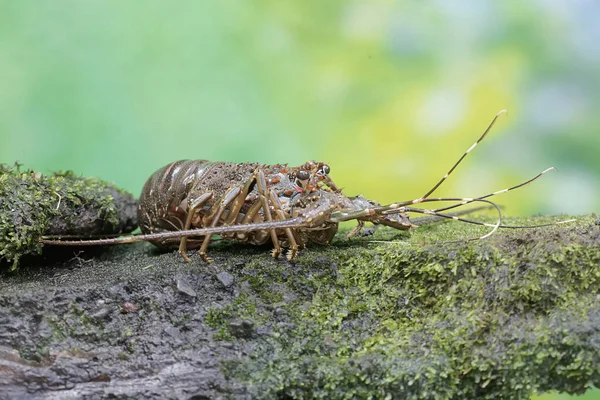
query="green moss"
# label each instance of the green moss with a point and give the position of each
(243, 307)
(429, 318)
(263, 278)
(33, 204)
(216, 317)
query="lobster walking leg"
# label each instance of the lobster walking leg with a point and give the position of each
(293, 239)
(237, 204)
(359, 227)
(196, 204)
(261, 184)
(214, 217)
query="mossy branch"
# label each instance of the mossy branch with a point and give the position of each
(418, 315)
(33, 204)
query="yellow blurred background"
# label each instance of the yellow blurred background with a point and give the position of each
(390, 93)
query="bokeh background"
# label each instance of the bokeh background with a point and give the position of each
(390, 93)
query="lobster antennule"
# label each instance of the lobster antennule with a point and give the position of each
(405, 207)
(438, 213)
(431, 219)
(508, 189)
(494, 226)
(439, 183)
(460, 201)
(455, 217)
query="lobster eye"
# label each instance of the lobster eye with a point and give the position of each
(302, 175)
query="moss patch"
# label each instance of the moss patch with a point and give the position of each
(498, 318)
(418, 315)
(33, 204)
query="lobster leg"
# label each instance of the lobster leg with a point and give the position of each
(239, 201)
(196, 204)
(250, 215)
(359, 227)
(294, 240)
(215, 216)
(261, 184)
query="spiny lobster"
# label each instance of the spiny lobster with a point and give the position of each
(187, 202)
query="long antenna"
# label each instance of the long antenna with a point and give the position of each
(289, 223)
(470, 200)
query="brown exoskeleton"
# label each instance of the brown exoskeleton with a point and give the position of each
(186, 202)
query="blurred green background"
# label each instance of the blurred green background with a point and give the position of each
(389, 93)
